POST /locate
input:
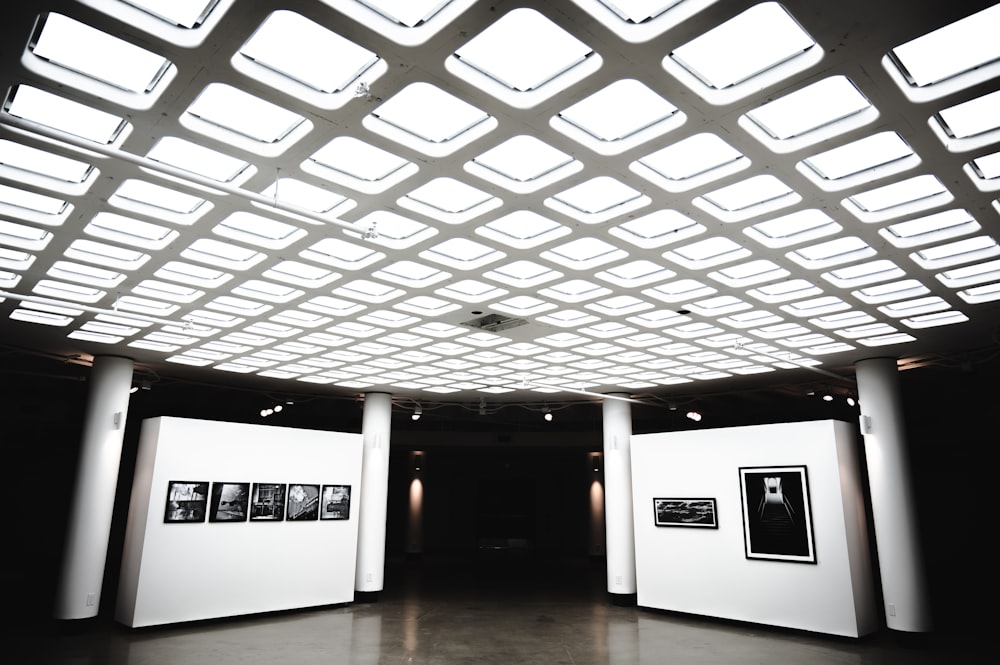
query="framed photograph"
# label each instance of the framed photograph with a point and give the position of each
(777, 518)
(699, 513)
(336, 502)
(267, 503)
(229, 502)
(303, 503)
(187, 501)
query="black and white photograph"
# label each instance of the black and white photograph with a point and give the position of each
(186, 501)
(267, 504)
(336, 503)
(229, 502)
(685, 512)
(303, 503)
(777, 520)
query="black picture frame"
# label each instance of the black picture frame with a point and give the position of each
(686, 512)
(267, 502)
(187, 501)
(230, 502)
(303, 502)
(335, 502)
(777, 515)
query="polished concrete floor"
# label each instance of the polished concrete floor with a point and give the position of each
(487, 611)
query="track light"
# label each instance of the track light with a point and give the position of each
(827, 398)
(547, 415)
(851, 401)
(694, 415)
(417, 412)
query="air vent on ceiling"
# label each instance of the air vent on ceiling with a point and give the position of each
(494, 322)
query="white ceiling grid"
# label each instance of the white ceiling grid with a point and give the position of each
(631, 196)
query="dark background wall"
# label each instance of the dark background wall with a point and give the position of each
(503, 475)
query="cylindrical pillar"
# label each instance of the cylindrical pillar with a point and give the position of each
(904, 586)
(375, 428)
(91, 508)
(618, 496)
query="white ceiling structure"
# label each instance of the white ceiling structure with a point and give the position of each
(464, 200)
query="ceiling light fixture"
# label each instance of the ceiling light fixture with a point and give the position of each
(417, 412)
(547, 415)
(694, 415)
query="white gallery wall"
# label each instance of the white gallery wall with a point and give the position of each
(705, 571)
(174, 572)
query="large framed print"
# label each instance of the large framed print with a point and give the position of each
(267, 504)
(187, 501)
(303, 503)
(777, 518)
(229, 502)
(336, 502)
(685, 512)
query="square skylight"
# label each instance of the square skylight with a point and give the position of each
(258, 230)
(332, 307)
(197, 159)
(981, 294)
(84, 274)
(881, 293)
(574, 291)
(449, 200)
(749, 193)
(462, 254)
(132, 192)
(187, 273)
(106, 255)
(949, 51)
(831, 253)
(472, 291)
(972, 274)
(128, 231)
(899, 193)
(303, 195)
(424, 117)
(657, 229)
(244, 115)
(932, 228)
(544, 51)
(48, 206)
(778, 292)
(523, 164)
(42, 163)
(618, 117)
(635, 274)
(749, 273)
(78, 47)
(758, 40)
(707, 253)
(523, 306)
(693, 161)
(584, 253)
(873, 152)
(680, 290)
(597, 200)
(222, 254)
(411, 273)
(955, 253)
(306, 52)
(341, 254)
(367, 291)
(816, 112)
(359, 165)
(859, 274)
(269, 291)
(301, 274)
(971, 124)
(63, 115)
(185, 13)
(523, 229)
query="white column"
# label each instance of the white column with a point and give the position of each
(907, 607)
(92, 505)
(618, 495)
(375, 427)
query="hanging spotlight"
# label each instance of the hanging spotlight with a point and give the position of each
(851, 401)
(827, 398)
(547, 415)
(417, 412)
(278, 408)
(694, 415)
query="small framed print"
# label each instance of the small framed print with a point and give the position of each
(698, 513)
(187, 501)
(229, 502)
(777, 517)
(267, 503)
(303, 503)
(336, 502)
